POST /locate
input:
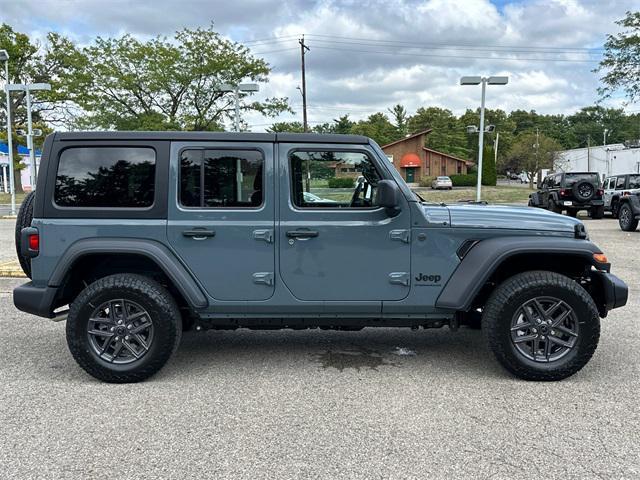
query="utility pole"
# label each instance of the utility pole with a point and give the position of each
(604, 135)
(589, 153)
(495, 149)
(303, 50)
(537, 145)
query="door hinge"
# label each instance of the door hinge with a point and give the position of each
(401, 235)
(265, 234)
(399, 278)
(265, 278)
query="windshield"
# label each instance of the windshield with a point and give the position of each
(571, 179)
(634, 181)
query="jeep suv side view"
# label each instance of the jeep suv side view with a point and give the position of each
(570, 191)
(134, 237)
(617, 187)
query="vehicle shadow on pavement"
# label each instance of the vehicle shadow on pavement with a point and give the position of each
(375, 350)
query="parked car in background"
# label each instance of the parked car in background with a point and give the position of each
(312, 198)
(442, 183)
(570, 192)
(629, 211)
(617, 187)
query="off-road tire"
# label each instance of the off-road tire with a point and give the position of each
(576, 189)
(514, 292)
(626, 218)
(553, 207)
(615, 208)
(597, 213)
(25, 215)
(148, 293)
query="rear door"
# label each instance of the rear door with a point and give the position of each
(341, 248)
(221, 216)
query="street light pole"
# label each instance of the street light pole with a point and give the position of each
(28, 88)
(5, 56)
(236, 89)
(482, 81)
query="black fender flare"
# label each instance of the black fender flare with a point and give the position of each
(633, 201)
(156, 252)
(477, 266)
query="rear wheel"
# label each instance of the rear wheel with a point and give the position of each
(626, 218)
(123, 328)
(541, 325)
(554, 207)
(597, 212)
(25, 215)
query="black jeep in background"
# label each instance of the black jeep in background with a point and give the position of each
(570, 191)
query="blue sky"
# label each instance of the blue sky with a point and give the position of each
(369, 55)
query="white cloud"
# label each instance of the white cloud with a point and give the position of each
(419, 69)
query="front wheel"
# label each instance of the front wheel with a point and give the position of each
(541, 325)
(123, 328)
(553, 207)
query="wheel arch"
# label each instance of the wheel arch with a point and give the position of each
(491, 261)
(91, 259)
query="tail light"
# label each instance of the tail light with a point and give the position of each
(626, 194)
(600, 192)
(30, 244)
(564, 193)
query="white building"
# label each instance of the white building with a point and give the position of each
(607, 160)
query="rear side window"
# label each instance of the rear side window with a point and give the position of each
(634, 181)
(620, 183)
(106, 177)
(221, 178)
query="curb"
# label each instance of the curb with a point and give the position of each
(6, 217)
(11, 269)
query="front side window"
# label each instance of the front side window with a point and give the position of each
(333, 179)
(221, 178)
(106, 177)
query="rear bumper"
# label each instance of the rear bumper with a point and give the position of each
(613, 291)
(574, 204)
(35, 300)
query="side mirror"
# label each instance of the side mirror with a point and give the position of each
(388, 196)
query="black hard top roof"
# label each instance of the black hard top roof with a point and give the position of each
(214, 136)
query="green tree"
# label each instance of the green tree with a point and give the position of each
(292, 127)
(30, 62)
(620, 62)
(343, 124)
(125, 83)
(531, 154)
(489, 174)
(448, 135)
(400, 119)
(378, 127)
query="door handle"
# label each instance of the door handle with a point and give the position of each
(198, 233)
(302, 233)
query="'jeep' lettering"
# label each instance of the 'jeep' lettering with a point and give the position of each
(421, 277)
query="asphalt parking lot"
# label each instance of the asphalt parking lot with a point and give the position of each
(380, 403)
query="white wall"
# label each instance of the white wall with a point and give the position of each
(607, 160)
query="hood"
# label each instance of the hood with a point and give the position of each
(510, 217)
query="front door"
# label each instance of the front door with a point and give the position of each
(335, 244)
(411, 172)
(221, 217)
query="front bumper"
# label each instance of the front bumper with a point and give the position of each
(611, 291)
(35, 300)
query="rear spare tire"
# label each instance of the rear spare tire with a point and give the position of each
(584, 191)
(25, 215)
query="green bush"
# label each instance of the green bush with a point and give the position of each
(426, 181)
(341, 182)
(464, 180)
(489, 176)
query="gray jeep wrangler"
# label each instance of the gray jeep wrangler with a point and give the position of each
(133, 237)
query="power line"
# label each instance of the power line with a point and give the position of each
(460, 45)
(464, 57)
